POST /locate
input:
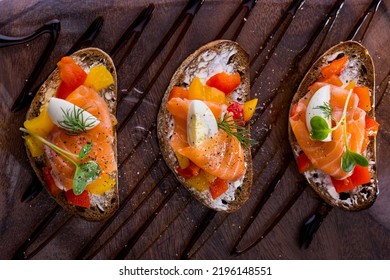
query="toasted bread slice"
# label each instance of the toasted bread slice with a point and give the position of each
(104, 205)
(212, 58)
(360, 68)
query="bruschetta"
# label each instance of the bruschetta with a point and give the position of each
(203, 125)
(332, 127)
(70, 134)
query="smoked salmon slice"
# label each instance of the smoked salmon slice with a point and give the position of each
(102, 137)
(326, 156)
(221, 156)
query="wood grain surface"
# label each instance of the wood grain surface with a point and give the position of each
(160, 218)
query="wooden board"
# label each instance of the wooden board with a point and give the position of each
(159, 217)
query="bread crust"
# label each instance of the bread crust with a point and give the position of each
(361, 69)
(237, 59)
(102, 206)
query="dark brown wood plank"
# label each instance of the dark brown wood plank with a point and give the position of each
(343, 235)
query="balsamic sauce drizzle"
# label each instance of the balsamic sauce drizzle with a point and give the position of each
(49, 27)
(84, 251)
(208, 217)
(189, 11)
(274, 221)
(133, 33)
(33, 189)
(21, 251)
(187, 14)
(312, 224)
(245, 6)
(359, 30)
(156, 187)
(293, 76)
(178, 213)
(274, 38)
(25, 97)
(133, 240)
(48, 239)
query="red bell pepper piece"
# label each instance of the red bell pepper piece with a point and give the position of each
(81, 200)
(225, 82)
(303, 163)
(364, 97)
(218, 187)
(360, 175)
(335, 67)
(64, 90)
(190, 171)
(50, 181)
(342, 185)
(371, 126)
(72, 76)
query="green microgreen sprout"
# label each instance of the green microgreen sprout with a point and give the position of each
(85, 172)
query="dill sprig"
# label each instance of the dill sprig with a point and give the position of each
(326, 109)
(235, 129)
(74, 122)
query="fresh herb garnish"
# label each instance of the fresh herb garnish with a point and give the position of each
(326, 109)
(233, 128)
(85, 172)
(85, 150)
(74, 122)
(350, 159)
(321, 129)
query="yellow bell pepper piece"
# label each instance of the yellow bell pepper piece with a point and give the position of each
(350, 85)
(184, 162)
(101, 185)
(249, 109)
(98, 78)
(199, 183)
(35, 146)
(202, 181)
(214, 95)
(41, 125)
(198, 91)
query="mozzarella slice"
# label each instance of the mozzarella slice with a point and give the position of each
(320, 98)
(201, 123)
(57, 108)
